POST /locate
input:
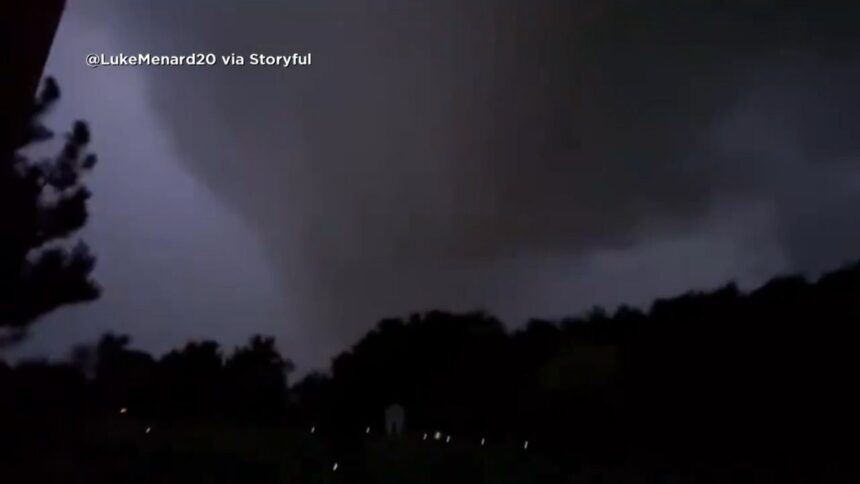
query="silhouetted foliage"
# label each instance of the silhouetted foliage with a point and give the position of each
(193, 378)
(42, 202)
(706, 376)
(707, 380)
(196, 382)
(257, 378)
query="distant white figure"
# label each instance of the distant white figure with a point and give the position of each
(395, 419)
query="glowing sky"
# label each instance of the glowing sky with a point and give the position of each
(527, 157)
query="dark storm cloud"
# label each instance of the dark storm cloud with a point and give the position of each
(432, 152)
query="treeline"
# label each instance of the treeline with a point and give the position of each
(762, 375)
(757, 376)
(195, 382)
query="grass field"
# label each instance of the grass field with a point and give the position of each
(120, 450)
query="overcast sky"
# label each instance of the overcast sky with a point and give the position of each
(531, 158)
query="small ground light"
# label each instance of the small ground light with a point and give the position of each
(437, 435)
(148, 430)
(313, 429)
(448, 439)
(367, 430)
(525, 445)
(483, 440)
(334, 467)
(425, 436)
(123, 410)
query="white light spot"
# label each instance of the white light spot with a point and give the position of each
(437, 435)
(148, 430)
(483, 441)
(313, 429)
(367, 430)
(425, 436)
(526, 444)
(123, 410)
(334, 467)
(448, 439)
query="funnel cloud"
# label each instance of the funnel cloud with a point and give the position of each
(531, 158)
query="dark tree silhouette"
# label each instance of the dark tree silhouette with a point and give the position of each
(42, 202)
(703, 383)
(193, 377)
(256, 376)
(124, 377)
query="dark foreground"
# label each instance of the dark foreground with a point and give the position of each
(713, 387)
(119, 449)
